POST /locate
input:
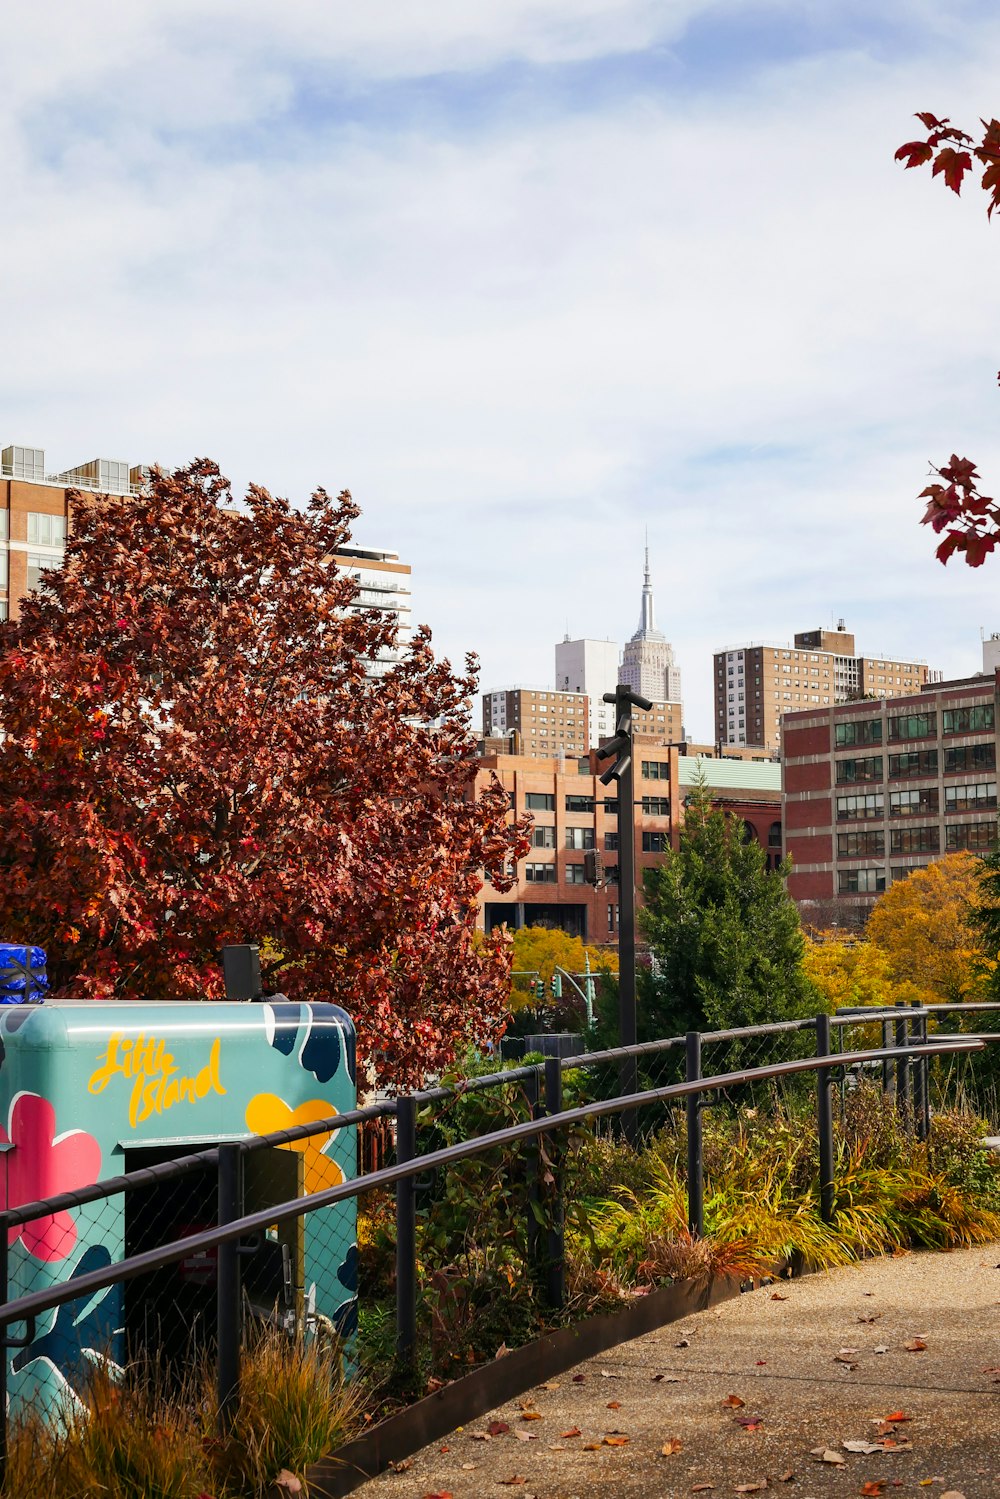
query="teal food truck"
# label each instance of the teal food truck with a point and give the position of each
(90, 1090)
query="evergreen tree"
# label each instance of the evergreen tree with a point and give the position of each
(723, 933)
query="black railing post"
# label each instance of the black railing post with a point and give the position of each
(406, 1232)
(533, 1202)
(903, 1065)
(824, 1121)
(886, 1065)
(229, 1291)
(695, 1163)
(919, 1033)
(555, 1248)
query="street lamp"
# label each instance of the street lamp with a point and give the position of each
(623, 771)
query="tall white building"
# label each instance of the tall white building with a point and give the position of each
(383, 585)
(590, 666)
(648, 664)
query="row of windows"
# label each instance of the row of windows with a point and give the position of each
(901, 841)
(977, 836)
(964, 757)
(544, 801)
(918, 801)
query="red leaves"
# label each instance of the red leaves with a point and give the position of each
(914, 153)
(957, 507)
(193, 752)
(953, 164)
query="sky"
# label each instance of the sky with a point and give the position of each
(530, 279)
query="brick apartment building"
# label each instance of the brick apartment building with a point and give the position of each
(755, 685)
(873, 790)
(35, 520)
(574, 813)
(540, 722)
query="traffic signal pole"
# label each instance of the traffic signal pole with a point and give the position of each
(623, 771)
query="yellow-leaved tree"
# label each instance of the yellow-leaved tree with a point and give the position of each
(923, 926)
(540, 950)
(848, 971)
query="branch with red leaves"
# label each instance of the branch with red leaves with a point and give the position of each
(970, 520)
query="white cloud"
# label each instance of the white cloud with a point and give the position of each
(721, 312)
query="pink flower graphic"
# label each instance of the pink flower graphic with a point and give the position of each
(42, 1164)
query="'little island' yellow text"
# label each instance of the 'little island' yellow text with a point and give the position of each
(156, 1081)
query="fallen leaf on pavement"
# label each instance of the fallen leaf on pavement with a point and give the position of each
(526, 1436)
(873, 1489)
(915, 1345)
(684, 1343)
(749, 1423)
(787, 1477)
(751, 1488)
(440, 1494)
(827, 1455)
(614, 1405)
(734, 1402)
(468, 1467)
(897, 1416)
(579, 1378)
(553, 1386)
(760, 1363)
(609, 1374)
(401, 1467)
(497, 1428)
(873, 1318)
(952, 1494)
(514, 1478)
(591, 1447)
(671, 1445)
(777, 1296)
(480, 1436)
(616, 1441)
(574, 1431)
(881, 1348)
(531, 1415)
(865, 1447)
(702, 1488)
(668, 1378)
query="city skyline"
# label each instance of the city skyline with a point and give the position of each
(528, 279)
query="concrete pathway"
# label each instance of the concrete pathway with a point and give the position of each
(779, 1391)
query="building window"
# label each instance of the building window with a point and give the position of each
(543, 837)
(868, 769)
(655, 843)
(610, 842)
(978, 798)
(611, 874)
(861, 881)
(575, 874)
(913, 763)
(540, 801)
(611, 806)
(540, 874)
(974, 835)
(915, 801)
(612, 917)
(579, 803)
(580, 838)
(656, 770)
(967, 720)
(859, 731)
(3, 562)
(656, 806)
(46, 530)
(38, 563)
(915, 841)
(913, 726)
(870, 844)
(4, 525)
(968, 757)
(774, 835)
(852, 808)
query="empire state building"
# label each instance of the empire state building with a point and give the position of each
(648, 664)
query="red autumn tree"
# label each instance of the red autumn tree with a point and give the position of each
(955, 504)
(195, 752)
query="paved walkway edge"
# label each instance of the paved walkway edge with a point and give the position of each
(474, 1394)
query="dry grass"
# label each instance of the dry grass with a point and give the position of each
(138, 1436)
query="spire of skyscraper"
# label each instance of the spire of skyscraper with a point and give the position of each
(648, 664)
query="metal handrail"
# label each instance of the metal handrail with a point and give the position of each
(25, 1307)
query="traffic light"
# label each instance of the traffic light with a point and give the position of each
(557, 986)
(593, 867)
(540, 989)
